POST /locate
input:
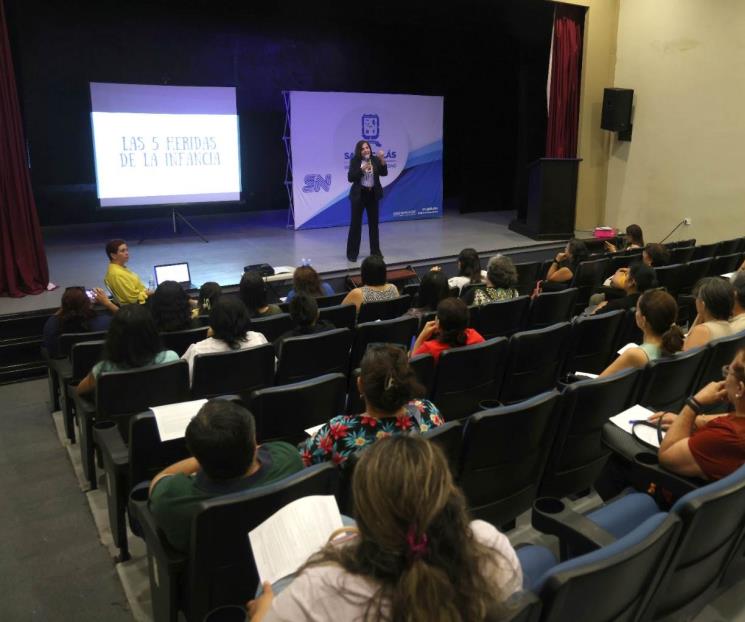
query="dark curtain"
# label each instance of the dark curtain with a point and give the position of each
(23, 264)
(566, 68)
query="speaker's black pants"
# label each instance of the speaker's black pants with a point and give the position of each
(366, 201)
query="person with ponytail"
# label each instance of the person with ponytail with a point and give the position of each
(414, 556)
(656, 312)
(390, 390)
(448, 330)
(715, 298)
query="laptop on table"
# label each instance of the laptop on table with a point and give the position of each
(178, 272)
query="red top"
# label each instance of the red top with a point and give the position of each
(435, 347)
(719, 447)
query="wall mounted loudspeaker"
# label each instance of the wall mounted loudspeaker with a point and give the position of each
(616, 115)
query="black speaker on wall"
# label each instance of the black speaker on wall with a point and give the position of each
(616, 115)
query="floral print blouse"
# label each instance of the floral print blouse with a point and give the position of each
(345, 434)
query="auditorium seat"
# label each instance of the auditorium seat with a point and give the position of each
(504, 453)
(83, 356)
(180, 340)
(341, 316)
(423, 366)
(449, 437)
(705, 250)
(671, 277)
(720, 352)
(272, 326)
(527, 275)
(588, 277)
(592, 342)
(219, 568)
(284, 412)
(668, 381)
(551, 308)
(730, 247)
(694, 272)
(235, 371)
(577, 454)
(621, 260)
(384, 309)
(466, 375)
(309, 356)
(332, 300)
(534, 360)
(500, 319)
(724, 264)
(681, 254)
(399, 331)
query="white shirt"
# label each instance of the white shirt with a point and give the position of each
(329, 593)
(210, 345)
(461, 281)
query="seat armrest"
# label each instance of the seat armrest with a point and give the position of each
(109, 440)
(170, 560)
(577, 533)
(646, 469)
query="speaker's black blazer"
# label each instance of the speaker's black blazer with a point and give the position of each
(355, 177)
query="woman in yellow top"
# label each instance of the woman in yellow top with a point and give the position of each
(124, 284)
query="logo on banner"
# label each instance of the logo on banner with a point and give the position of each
(316, 183)
(371, 128)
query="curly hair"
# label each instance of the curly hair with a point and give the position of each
(387, 379)
(170, 307)
(501, 272)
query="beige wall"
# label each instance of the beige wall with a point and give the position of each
(685, 60)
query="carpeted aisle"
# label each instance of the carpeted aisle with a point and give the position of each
(52, 563)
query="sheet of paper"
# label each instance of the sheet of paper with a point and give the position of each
(625, 419)
(312, 431)
(627, 346)
(172, 419)
(285, 540)
(728, 275)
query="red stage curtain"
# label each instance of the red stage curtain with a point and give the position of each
(23, 264)
(566, 68)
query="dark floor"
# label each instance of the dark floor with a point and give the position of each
(52, 565)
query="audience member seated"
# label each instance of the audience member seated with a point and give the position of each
(448, 330)
(389, 388)
(132, 342)
(738, 310)
(171, 308)
(561, 272)
(209, 294)
(432, 289)
(501, 278)
(76, 316)
(253, 295)
(656, 312)
(695, 445)
(656, 255)
(469, 270)
(305, 280)
(226, 459)
(414, 555)
(304, 313)
(637, 279)
(633, 239)
(714, 301)
(124, 285)
(708, 446)
(373, 273)
(229, 330)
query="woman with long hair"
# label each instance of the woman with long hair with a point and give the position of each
(76, 315)
(229, 330)
(634, 238)
(390, 391)
(209, 294)
(433, 288)
(132, 342)
(254, 296)
(562, 269)
(469, 269)
(305, 280)
(415, 555)
(373, 273)
(656, 312)
(448, 330)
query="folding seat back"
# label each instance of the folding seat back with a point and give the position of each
(671, 277)
(729, 247)
(622, 260)
(235, 371)
(705, 250)
(68, 340)
(180, 340)
(534, 361)
(588, 277)
(464, 376)
(592, 342)
(309, 356)
(503, 318)
(332, 300)
(577, 454)
(724, 264)
(720, 352)
(504, 453)
(666, 382)
(695, 271)
(341, 316)
(449, 437)
(681, 254)
(272, 326)
(284, 412)
(551, 308)
(384, 309)
(527, 275)
(396, 331)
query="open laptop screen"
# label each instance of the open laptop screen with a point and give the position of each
(178, 272)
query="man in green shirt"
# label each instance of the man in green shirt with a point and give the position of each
(222, 439)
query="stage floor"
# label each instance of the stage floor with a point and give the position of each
(76, 253)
